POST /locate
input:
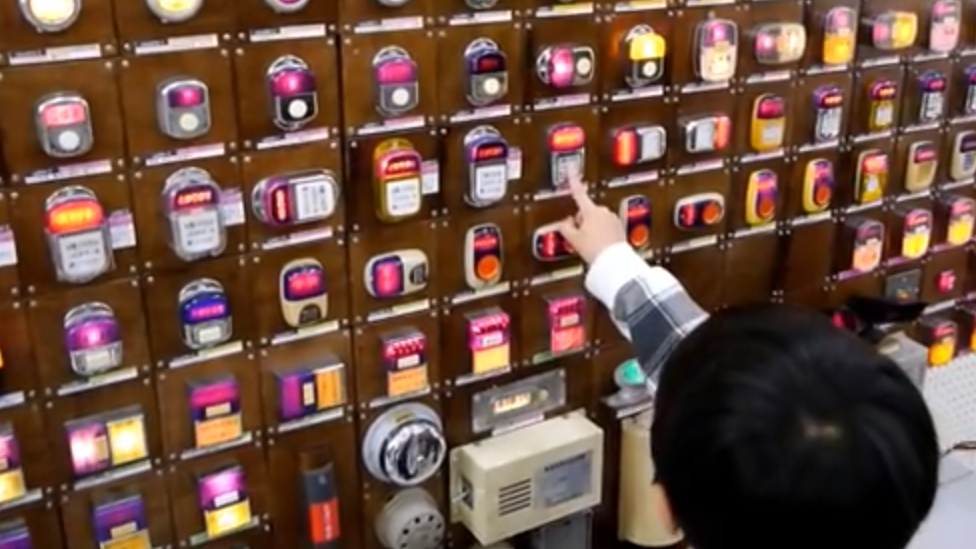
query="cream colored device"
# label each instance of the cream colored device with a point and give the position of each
(410, 520)
(514, 482)
(642, 520)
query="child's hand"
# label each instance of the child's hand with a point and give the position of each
(594, 228)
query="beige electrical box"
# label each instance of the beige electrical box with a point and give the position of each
(523, 479)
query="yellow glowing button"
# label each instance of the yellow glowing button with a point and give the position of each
(227, 519)
(647, 46)
(941, 353)
(176, 6)
(960, 232)
(12, 485)
(127, 440)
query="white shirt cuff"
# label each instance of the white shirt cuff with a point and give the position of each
(613, 268)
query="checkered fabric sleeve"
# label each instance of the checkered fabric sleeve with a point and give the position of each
(648, 305)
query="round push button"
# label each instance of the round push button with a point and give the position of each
(189, 122)
(298, 109)
(69, 141)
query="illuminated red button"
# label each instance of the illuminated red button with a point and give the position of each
(639, 235)
(947, 281)
(822, 194)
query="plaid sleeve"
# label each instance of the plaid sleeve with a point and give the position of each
(648, 304)
(658, 316)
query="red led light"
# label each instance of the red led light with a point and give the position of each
(490, 152)
(772, 108)
(832, 100)
(880, 32)
(886, 91)
(195, 197)
(567, 138)
(944, 330)
(917, 219)
(388, 279)
(486, 242)
(765, 43)
(947, 281)
(935, 84)
(406, 164)
(562, 64)
(637, 211)
(405, 347)
(549, 244)
(292, 83)
(63, 115)
(840, 19)
(92, 336)
(870, 231)
(75, 216)
(688, 215)
(305, 283)
(397, 72)
(962, 206)
(186, 96)
(838, 320)
(489, 63)
(565, 308)
(625, 147)
(493, 323)
(281, 205)
(925, 155)
(207, 312)
(876, 163)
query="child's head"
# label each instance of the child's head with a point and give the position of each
(775, 430)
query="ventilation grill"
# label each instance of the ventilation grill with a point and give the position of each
(515, 497)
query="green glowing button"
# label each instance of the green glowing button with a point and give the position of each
(629, 373)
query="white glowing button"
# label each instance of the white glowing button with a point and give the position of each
(298, 109)
(650, 69)
(400, 97)
(189, 122)
(584, 66)
(69, 141)
(177, 7)
(52, 12)
(491, 86)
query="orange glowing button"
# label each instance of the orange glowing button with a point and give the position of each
(723, 131)
(712, 213)
(488, 267)
(822, 194)
(639, 236)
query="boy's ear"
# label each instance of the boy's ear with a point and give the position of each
(661, 507)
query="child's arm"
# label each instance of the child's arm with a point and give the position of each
(648, 305)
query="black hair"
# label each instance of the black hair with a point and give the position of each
(773, 429)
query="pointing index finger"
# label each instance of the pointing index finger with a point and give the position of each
(578, 191)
